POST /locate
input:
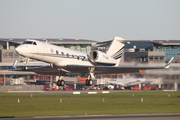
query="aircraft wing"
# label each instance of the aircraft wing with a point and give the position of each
(83, 69)
(48, 70)
(112, 69)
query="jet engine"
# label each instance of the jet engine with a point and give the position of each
(100, 58)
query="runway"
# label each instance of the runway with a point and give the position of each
(70, 92)
(105, 117)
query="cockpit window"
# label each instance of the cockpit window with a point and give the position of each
(29, 42)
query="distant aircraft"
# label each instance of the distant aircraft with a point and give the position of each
(129, 81)
(63, 61)
(126, 82)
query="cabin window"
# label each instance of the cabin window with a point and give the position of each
(57, 52)
(78, 57)
(67, 55)
(34, 43)
(62, 53)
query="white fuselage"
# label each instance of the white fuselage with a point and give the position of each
(56, 55)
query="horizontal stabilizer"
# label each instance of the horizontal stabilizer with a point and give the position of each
(14, 64)
(169, 63)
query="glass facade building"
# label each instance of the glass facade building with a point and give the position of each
(170, 51)
(85, 48)
(140, 45)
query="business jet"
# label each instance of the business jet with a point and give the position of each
(64, 61)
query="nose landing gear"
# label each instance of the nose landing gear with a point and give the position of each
(60, 82)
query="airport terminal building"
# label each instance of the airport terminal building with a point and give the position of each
(137, 52)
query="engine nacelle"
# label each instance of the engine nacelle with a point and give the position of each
(100, 58)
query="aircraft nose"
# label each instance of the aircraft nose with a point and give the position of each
(18, 49)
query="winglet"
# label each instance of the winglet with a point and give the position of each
(168, 64)
(14, 64)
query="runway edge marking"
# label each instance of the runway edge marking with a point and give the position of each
(105, 92)
(76, 93)
(92, 92)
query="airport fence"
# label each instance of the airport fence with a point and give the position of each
(21, 88)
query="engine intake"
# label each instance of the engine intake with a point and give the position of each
(100, 58)
(93, 55)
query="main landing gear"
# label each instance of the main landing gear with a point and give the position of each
(88, 82)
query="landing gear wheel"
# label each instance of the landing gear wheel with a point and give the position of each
(60, 82)
(88, 82)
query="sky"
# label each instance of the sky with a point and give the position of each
(98, 20)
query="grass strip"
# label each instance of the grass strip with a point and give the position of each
(154, 102)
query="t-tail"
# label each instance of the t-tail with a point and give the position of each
(112, 57)
(116, 49)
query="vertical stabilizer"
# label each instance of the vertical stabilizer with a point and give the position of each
(116, 49)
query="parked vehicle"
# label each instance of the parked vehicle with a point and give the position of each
(153, 87)
(136, 88)
(68, 88)
(46, 87)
